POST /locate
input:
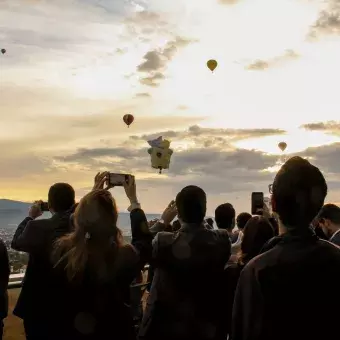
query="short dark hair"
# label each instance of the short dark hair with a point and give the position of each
(257, 232)
(299, 192)
(61, 197)
(242, 219)
(191, 204)
(330, 212)
(225, 216)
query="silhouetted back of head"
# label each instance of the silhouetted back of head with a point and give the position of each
(225, 216)
(256, 233)
(242, 219)
(299, 191)
(61, 197)
(191, 204)
(330, 212)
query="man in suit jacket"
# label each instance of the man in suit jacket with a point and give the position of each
(36, 237)
(4, 278)
(329, 221)
(184, 301)
(278, 293)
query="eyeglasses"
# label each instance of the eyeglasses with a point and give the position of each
(270, 187)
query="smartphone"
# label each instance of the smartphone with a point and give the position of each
(257, 202)
(44, 207)
(118, 180)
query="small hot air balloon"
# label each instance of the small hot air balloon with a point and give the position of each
(128, 119)
(3, 51)
(282, 146)
(212, 64)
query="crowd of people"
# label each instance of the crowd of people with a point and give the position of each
(271, 276)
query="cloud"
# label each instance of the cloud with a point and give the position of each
(152, 80)
(328, 21)
(260, 65)
(228, 2)
(143, 95)
(155, 61)
(208, 136)
(332, 127)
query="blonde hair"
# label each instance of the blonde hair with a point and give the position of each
(93, 244)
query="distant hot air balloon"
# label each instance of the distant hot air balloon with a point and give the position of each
(3, 51)
(212, 64)
(128, 119)
(282, 146)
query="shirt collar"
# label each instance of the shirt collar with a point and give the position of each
(338, 231)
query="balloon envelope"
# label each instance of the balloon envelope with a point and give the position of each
(212, 64)
(3, 51)
(282, 146)
(128, 119)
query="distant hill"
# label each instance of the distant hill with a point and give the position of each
(9, 205)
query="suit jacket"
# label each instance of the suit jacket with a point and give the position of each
(278, 297)
(185, 294)
(4, 278)
(36, 237)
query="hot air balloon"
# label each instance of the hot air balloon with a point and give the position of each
(3, 51)
(212, 64)
(160, 153)
(282, 146)
(128, 119)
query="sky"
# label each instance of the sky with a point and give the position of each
(73, 69)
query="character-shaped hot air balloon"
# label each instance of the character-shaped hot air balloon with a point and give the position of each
(128, 119)
(160, 153)
(212, 64)
(282, 146)
(3, 51)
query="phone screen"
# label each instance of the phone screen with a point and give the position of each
(118, 180)
(257, 202)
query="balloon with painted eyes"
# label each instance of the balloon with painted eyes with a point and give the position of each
(212, 64)
(282, 146)
(160, 153)
(3, 51)
(128, 119)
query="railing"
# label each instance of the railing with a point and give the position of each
(15, 280)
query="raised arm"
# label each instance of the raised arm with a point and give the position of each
(28, 237)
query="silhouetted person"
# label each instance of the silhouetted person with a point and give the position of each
(225, 219)
(276, 296)
(242, 220)
(4, 278)
(329, 222)
(94, 268)
(181, 305)
(36, 238)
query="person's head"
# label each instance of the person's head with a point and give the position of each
(95, 236)
(225, 216)
(329, 219)
(210, 221)
(256, 233)
(242, 219)
(191, 204)
(61, 197)
(299, 191)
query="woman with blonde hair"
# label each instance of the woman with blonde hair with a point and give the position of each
(94, 269)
